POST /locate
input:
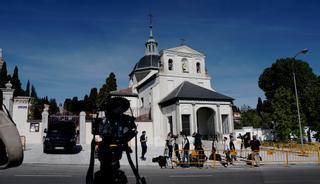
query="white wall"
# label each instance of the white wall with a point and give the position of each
(20, 117)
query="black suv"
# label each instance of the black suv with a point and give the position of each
(61, 135)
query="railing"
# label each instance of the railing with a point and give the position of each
(268, 156)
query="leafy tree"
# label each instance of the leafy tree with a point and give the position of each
(280, 75)
(277, 83)
(312, 108)
(67, 104)
(285, 115)
(250, 117)
(53, 108)
(28, 89)
(16, 84)
(35, 109)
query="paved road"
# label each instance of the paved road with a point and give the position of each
(67, 174)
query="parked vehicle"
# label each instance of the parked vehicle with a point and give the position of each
(61, 135)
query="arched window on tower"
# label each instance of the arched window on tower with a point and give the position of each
(198, 68)
(170, 64)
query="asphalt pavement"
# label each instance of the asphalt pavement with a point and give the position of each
(67, 174)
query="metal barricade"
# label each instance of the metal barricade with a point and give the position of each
(208, 158)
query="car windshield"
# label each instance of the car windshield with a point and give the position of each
(62, 127)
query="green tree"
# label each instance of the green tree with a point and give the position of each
(34, 92)
(3, 75)
(36, 108)
(284, 115)
(259, 106)
(53, 107)
(92, 100)
(249, 117)
(312, 108)
(67, 104)
(28, 89)
(16, 84)
(110, 85)
(280, 75)
(278, 79)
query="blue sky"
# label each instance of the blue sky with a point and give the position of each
(66, 47)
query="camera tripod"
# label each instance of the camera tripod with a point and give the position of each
(110, 173)
(116, 130)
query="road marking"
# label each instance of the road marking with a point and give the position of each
(44, 175)
(190, 176)
(293, 181)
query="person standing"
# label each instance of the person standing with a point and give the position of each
(176, 148)
(170, 142)
(226, 150)
(186, 148)
(255, 148)
(143, 141)
(233, 151)
(197, 141)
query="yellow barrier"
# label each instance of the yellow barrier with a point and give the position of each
(268, 156)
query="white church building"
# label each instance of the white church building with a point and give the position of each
(170, 91)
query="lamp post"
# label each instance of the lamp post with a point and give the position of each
(304, 51)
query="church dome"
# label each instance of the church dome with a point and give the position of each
(147, 62)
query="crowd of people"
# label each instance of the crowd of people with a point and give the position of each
(180, 146)
(177, 149)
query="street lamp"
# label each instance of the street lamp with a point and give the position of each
(304, 51)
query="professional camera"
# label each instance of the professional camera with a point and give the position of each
(116, 129)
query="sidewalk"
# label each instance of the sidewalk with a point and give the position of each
(34, 154)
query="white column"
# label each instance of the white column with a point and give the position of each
(7, 97)
(45, 117)
(178, 118)
(231, 125)
(82, 122)
(219, 121)
(195, 125)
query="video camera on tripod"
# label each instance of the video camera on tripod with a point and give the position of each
(116, 129)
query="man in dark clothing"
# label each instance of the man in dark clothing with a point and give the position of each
(232, 149)
(176, 148)
(255, 148)
(143, 141)
(197, 141)
(246, 139)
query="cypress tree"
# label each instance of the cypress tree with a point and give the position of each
(3, 75)
(16, 84)
(110, 85)
(28, 88)
(33, 92)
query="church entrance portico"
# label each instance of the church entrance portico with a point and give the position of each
(205, 122)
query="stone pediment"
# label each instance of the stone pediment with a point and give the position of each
(184, 49)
